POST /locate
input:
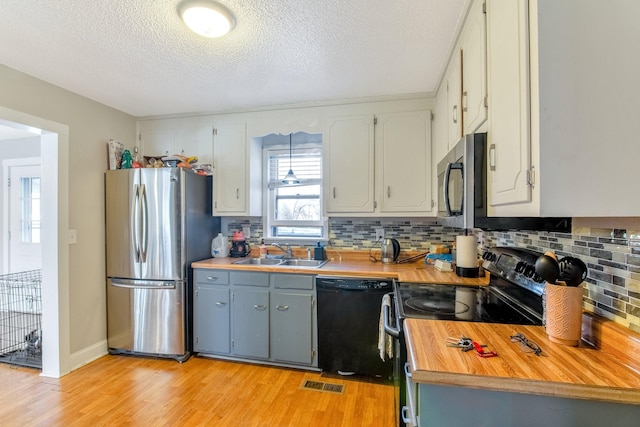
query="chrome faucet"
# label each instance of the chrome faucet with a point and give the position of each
(287, 251)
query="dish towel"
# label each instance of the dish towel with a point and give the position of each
(385, 341)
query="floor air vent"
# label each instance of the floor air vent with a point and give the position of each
(322, 386)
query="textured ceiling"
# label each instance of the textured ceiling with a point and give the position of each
(138, 57)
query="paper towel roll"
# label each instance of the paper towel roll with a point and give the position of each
(466, 252)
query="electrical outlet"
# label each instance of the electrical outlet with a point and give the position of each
(379, 233)
(246, 231)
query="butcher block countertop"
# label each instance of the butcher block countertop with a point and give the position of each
(608, 370)
(356, 264)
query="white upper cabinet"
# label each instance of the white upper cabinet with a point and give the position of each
(454, 99)
(237, 169)
(582, 106)
(349, 162)
(509, 114)
(405, 162)
(474, 69)
(185, 136)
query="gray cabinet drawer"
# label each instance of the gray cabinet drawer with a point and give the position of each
(249, 278)
(212, 277)
(292, 281)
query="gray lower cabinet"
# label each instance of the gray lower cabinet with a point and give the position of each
(256, 316)
(461, 407)
(212, 307)
(251, 323)
(291, 320)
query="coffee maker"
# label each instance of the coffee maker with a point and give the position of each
(239, 246)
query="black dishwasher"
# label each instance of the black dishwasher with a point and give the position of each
(348, 326)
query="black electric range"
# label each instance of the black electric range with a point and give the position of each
(514, 296)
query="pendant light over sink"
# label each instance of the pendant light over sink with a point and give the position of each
(291, 178)
(206, 18)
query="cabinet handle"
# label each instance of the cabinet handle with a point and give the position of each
(221, 303)
(237, 193)
(492, 157)
(260, 307)
(464, 101)
(334, 192)
(211, 278)
(282, 307)
(406, 418)
(455, 114)
(407, 372)
(388, 191)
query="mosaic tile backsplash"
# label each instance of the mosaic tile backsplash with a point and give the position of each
(612, 288)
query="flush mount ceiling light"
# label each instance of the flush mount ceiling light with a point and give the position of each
(206, 18)
(291, 178)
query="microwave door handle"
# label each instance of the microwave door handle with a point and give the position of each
(445, 184)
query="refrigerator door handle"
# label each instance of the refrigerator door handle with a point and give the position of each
(134, 222)
(139, 284)
(144, 214)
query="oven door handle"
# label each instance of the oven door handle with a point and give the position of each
(386, 317)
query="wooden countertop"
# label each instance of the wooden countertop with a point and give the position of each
(357, 264)
(610, 372)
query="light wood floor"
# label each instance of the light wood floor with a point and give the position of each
(127, 391)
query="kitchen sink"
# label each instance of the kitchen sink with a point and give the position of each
(258, 261)
(303, 263)
(289, 262)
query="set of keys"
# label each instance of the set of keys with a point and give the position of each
(467, 344)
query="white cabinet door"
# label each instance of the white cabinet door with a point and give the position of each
(474, 69)
(509, 115)
(405, 162)
(349, 163)
(158, 142)
(230, 169)
(186, 136)
(195, 139)
(454, 93)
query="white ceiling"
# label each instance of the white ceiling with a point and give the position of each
(138, 57)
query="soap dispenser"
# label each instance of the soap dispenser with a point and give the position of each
(263, 249)
(318, 252)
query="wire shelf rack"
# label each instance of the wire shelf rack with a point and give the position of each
(21, 318)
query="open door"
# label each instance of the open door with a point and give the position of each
(22, 215)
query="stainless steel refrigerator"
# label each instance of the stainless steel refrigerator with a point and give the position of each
(158, 221)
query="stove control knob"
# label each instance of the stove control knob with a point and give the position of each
(520, 266)
(537, 278)
(529, 271)
(489, 256)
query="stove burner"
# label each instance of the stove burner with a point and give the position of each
(443, 307)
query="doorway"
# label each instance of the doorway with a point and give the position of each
(54, 140)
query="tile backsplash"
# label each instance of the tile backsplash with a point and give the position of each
(612, 288)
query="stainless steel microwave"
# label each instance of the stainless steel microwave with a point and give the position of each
(462, 192)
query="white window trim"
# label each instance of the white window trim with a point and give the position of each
(267, 218)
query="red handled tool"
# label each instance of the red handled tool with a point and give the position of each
(482, 352)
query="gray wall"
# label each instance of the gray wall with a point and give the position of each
(91, 125)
